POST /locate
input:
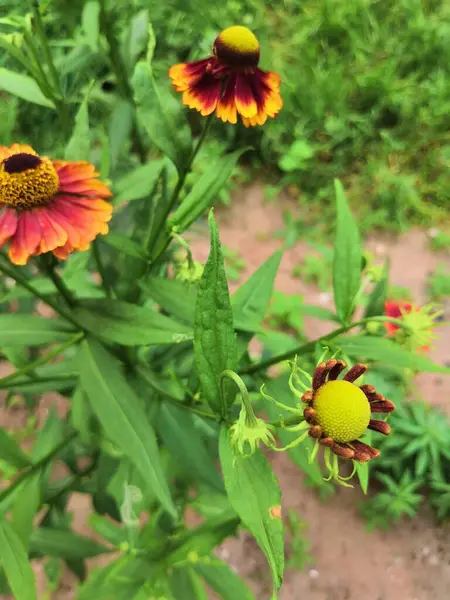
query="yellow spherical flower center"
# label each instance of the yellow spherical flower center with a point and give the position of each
(237, 46)
(342, 410)
(27, 180)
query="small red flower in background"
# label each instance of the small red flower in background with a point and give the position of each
(419, 320)
(49, 206)
(230, 82)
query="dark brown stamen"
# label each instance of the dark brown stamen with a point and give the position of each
(319, 376)
(380, 426)
(343, 451)
(355, 372)
(17, 163)
(315, 431)
(307, 397)
(336, 370)
(363, 452)
(368, 389)
(309, 414)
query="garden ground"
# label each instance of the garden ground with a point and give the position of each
(409, 562)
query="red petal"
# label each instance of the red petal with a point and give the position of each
(8, 225)
(244, 97)
(26, 239)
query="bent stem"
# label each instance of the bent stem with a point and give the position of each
(250, 417)
(47, 266)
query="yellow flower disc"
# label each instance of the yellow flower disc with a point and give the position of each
(342, 410)
(27, 180)
(239, 39)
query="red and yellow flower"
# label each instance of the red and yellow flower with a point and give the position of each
(419, 323)
(49, 206)
(230, 82)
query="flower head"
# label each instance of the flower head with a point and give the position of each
(230, 82)
(49, 206)
(419, 324)
(248, 432)
(339, 412)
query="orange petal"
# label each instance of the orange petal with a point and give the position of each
(245, 100)
(26, 239)
(8, 225)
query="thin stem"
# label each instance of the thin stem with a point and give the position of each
(46, 265)
(36, 466)
(181, 181)
(42, 360)
(107, 285)
(13, 274)
(250, 417)
(45, 47)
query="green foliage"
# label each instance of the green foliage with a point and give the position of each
(298, 545)
(438, 283)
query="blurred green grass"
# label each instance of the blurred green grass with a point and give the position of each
(366, 89)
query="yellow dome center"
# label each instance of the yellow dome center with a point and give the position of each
(237, 46)
(342, 410)
(27, 180)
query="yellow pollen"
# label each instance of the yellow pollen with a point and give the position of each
(239, 39)
(342, 410)
(34, 186)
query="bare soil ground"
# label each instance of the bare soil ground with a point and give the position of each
(409, 562)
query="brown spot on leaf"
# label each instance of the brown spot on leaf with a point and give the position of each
(275, 512)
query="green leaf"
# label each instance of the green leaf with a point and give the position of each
(64, 544)
(176, 297)
(177, 429)
(90, 23)
(251, 301)
(129, 324)
(14, 560)
(120, 128)
(11, 452)
(123, 417)
(124, 244)
(223, 580)
(24, 87)
(80, 143)
(214, 337)
(185, 584)
(362, 470)
(26, 505)
(30, 330)
(205, 192)
(139, 183)
(254, 494)
(161, 117)
(387, 352)
(119, 580)
(317, 312)
(347, 258)
(108, 529)
(136, 43)
(375, 305)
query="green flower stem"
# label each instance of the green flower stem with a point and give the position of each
(42, 360)
(250, 417)
(309, 346)
(295, 420)
(28, 471)
(176, 192)
(22, 281)
(47, 266)
(107, 285)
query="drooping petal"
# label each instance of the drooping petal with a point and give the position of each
(80, 178)
(343, 450)
(53, 235)
(319, 377)
(265, 89)
(380, 426)
(244, 97)
(355, 372)
(384, 406)
(336, 370)
(186, 75)
(26, 239)
(8, 225)
(204, 95)
(226, 108)
(364, 452)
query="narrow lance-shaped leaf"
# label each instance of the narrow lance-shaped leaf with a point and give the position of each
(377, 298)
(30, 330)
(214, 336)
(14, 560)
(254, 494)
(122, 416)
(11, 452)
(347, 258)
(224, 580)
(23, 87)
